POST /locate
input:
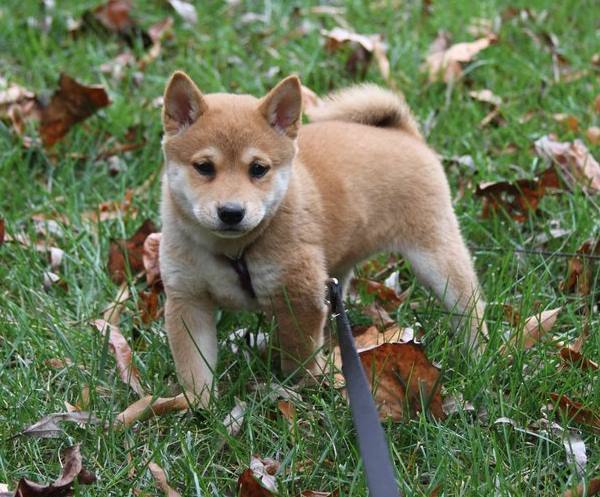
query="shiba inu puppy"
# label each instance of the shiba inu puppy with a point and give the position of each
(258, 211)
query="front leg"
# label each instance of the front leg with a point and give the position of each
(301, 312)
(193, 340)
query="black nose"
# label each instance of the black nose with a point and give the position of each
(231, 213)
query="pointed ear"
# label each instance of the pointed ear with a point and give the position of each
(282, 106)
(183, 103)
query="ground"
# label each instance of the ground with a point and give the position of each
(224, 51)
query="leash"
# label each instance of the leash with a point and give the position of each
(371, 437)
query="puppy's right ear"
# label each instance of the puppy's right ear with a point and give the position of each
(183, 103)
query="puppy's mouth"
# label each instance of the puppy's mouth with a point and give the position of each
(230, 232)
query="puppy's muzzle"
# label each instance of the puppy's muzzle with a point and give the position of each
(231, 213)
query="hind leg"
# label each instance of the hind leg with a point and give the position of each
(446, 268)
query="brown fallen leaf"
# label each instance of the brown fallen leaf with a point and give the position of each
(249, 487)
(47, 427)
(2, 231)
(364, 47)
(518, 198)
(148, 305)
(70, 104)
(570, 356)
(150, 406)
(129, 252)
(128, 373)
(443, 62)
(534, 329)
(574, 159)
(399, 372)
(585, 490)
(387, 296)
(288, 410)
(150, 258)
(264, 471)
(63, 487)
(579, 269)
(568, 120)
(379, 316)
(576, 411)
(161, 480)
(114, 16)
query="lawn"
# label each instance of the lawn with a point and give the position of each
(542, 64)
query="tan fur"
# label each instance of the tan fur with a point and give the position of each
(338, 191)
(367, 104)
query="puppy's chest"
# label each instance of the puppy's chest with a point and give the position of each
(230, 289)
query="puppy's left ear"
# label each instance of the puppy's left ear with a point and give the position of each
(282, 106)
(183, 103)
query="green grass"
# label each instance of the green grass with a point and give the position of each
(463, 455)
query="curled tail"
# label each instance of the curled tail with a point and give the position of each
(367, 104)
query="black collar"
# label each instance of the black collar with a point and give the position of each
(241, 268)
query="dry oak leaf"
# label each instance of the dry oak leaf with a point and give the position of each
(574, 160)
(122, 252)
(148, 305)
(128, 373)
(63, 487)
(518, 198)
(577, 412)
(534, 329)
(366, 46)
(70, 104)
(249, 487)
(114, 16)
(150, 406)
(572, 355)
(161, 480)
(579, 269)
(592, 488)
(47, 427)
(443, 62)
(395, 363)
(386, 295)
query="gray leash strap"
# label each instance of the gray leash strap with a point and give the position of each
(371, 437)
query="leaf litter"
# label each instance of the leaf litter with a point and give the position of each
(72, 469)
(444, 61)
(161, 480)
(118, 345)
(48, 426)
(402, 379)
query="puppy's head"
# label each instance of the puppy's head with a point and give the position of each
(229, 157)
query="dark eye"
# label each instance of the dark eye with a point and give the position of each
(205, 168)
(258, 170)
